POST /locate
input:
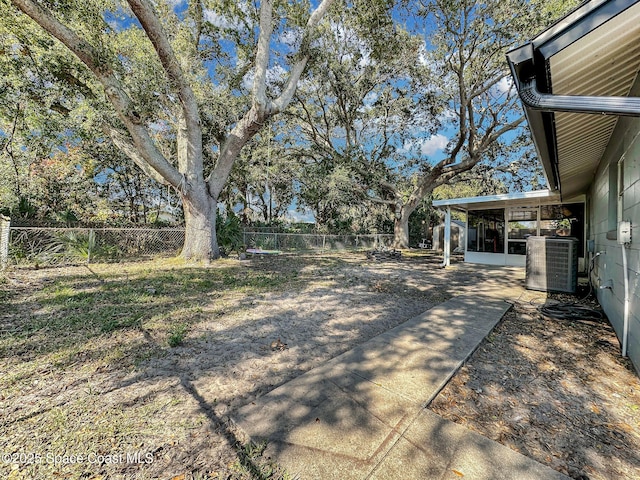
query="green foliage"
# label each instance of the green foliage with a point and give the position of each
(74, 246)
(41, 87)
(177, 334)
(376, 92)
(263, 178)
(80, 246)
(229, 232)
(365, 101)
(420, 221)
(24, 210)
(470, 185)
(67, 217)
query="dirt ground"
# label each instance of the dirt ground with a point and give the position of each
(555, 390)
(116, 401)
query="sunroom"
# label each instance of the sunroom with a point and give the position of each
(498, 226)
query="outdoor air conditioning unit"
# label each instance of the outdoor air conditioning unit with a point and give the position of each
(552, 264)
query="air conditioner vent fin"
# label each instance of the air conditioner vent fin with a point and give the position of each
(552, 264)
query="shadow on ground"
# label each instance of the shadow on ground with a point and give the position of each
(87, 365)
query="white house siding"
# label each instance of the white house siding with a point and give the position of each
(624, 142)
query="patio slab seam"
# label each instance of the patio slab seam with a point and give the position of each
(354, 416)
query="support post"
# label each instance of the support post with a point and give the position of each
(447, 238)
(5, 225)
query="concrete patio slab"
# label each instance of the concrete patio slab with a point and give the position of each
(433, 447)
(361, 415)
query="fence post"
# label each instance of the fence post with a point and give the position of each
(5, 225)
(91, 236)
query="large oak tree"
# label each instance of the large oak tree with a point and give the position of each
(199, 74)
(374, 102)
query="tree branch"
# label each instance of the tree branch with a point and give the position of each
(130, 151)
(253, 120)
(259, 91)
(289, 89)
(113, 89)
(501, 131)
(8, 147)
(193, 133)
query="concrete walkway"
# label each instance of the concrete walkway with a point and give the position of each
(362, 415)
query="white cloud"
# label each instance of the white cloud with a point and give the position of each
(447, 115)
(504, 85)
(423, 56)
(221, 21)
(291, 38)
(275, 74)
(229, 22)
(247, 80)
(305, 216)
(348, 37)
(433, 144)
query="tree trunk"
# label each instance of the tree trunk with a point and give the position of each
(200, 240)
(401, 231)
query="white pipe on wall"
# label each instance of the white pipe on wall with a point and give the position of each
(625, 323)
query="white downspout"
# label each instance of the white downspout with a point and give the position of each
(447, 238)
(625, 323)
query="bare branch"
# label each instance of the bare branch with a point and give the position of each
(382, 201)
(113, 89)
(8, 147)
(253, 120)
(289, 89)
(501, 131)
(259, 91)
(153, 28)
(130, 151)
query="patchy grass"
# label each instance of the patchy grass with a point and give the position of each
(177, 334)
(147, 359)
(151, 297)
(106, 320)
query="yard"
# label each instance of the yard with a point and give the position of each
(130, 370)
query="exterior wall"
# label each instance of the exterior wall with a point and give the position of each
(625, 144)
(502, 259)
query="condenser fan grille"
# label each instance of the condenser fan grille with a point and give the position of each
(552, 264)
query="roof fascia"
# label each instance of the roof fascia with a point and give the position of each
(530, 62)
(506, 197)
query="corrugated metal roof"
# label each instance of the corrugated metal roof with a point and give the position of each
(605, 62)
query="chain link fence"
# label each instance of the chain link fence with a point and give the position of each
(64, 246)
(60, 246)
(301, 241)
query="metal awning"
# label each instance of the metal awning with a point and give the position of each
(575, 79)
(521, 199)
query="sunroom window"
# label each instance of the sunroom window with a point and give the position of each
(523, 223)
(486, 231)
